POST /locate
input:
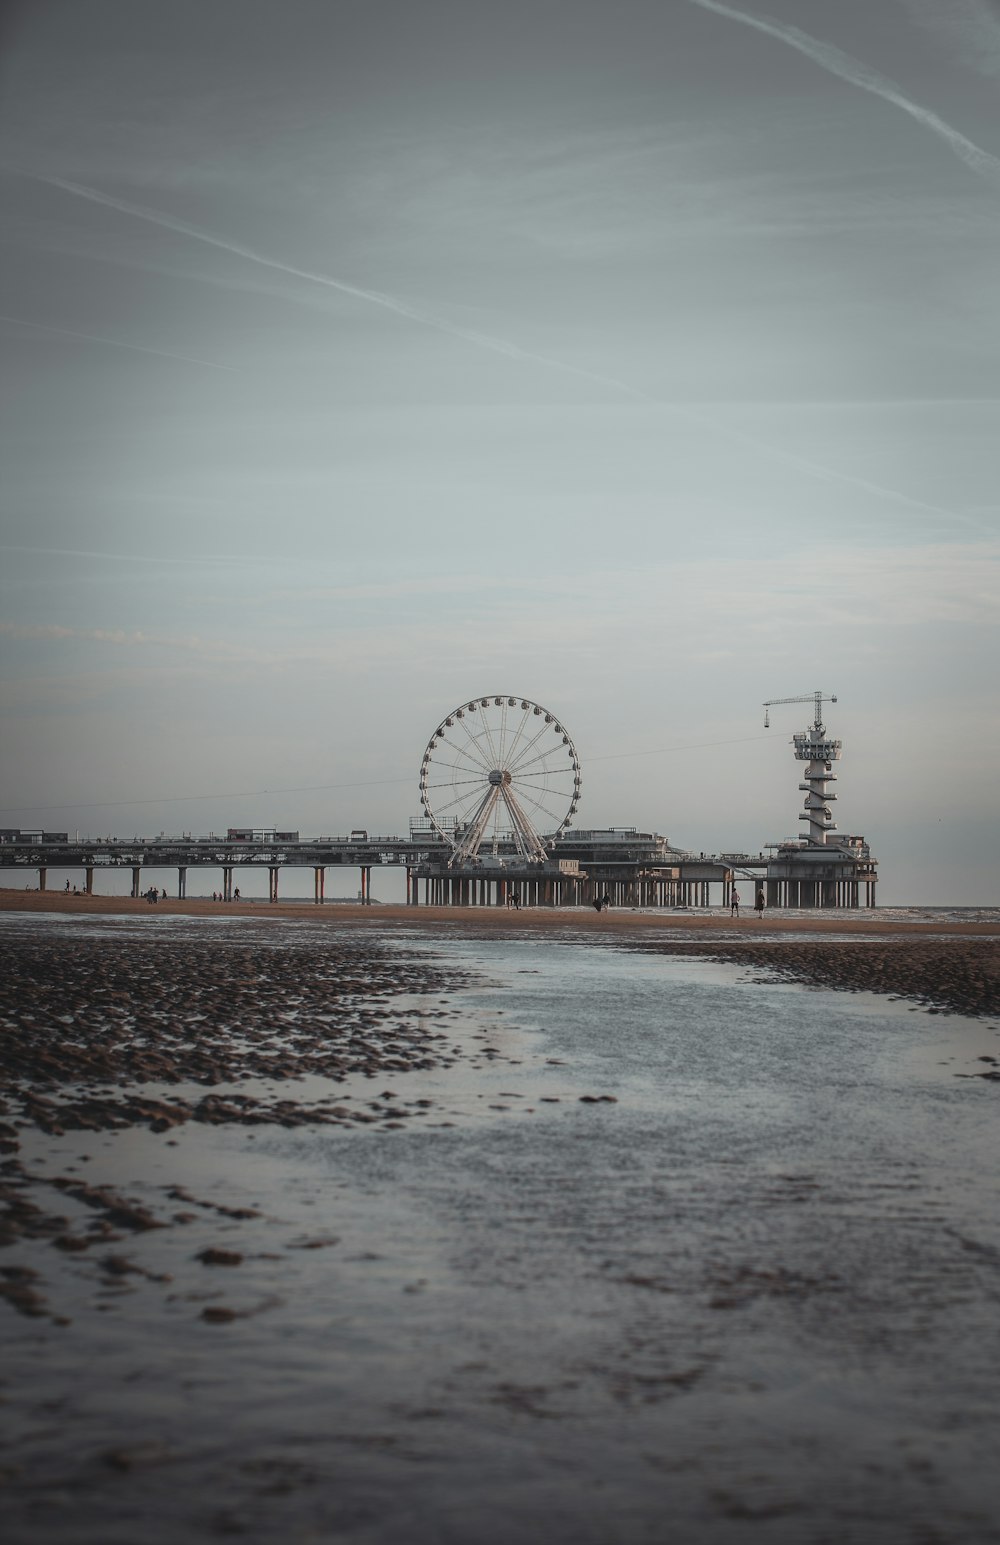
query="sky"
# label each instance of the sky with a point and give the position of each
(639, 358)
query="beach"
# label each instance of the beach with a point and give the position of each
(942, 962)
(381, 1223)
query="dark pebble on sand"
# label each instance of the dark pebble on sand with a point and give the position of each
(215, 1257)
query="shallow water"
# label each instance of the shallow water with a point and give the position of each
(754, 1297)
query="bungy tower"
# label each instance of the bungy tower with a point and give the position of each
(818, 869)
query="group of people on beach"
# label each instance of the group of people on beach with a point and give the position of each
(758, 903)
(218, 895)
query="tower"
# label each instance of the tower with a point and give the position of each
(816, 748)
(818, 869)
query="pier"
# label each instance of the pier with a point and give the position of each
(630, 868)
(499, 787)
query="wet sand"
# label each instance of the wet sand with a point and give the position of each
(944, 966)
(221, 1126)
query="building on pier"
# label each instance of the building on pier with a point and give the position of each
(819, 869)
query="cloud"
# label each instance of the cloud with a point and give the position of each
(500, 346)
(421, 315)
(856, 73)
(194, 562)
(115, 343)
(580, 618)
(135, 638)
(972, 26)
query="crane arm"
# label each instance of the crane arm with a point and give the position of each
(817, 698)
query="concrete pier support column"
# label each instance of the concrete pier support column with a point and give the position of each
(136, 872)
(319, 884)
(43, 875)
(182, 882)
(227, 883)
(272, 873)
(89, 884)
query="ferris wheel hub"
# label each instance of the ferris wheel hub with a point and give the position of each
(499, 777)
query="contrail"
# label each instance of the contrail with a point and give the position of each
(373, 297)
(115, 343)
(500, 345)
(836, 62)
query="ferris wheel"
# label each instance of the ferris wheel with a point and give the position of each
(497, 772)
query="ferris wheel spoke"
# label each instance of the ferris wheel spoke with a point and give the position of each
(481, 756)
(513, 765)
(550, 813)
(550, 774)
(465, 800)
(488, 736)
(454, 783)
(474, 755)
(542, 756)
(467, 766)
(503, 731)
(517, 736)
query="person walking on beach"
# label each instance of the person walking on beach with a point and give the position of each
(236, 894)
(734, 905)
(758, 905)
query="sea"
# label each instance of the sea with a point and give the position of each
(680, 1251)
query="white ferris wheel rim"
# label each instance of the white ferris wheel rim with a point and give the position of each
(498, 768)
